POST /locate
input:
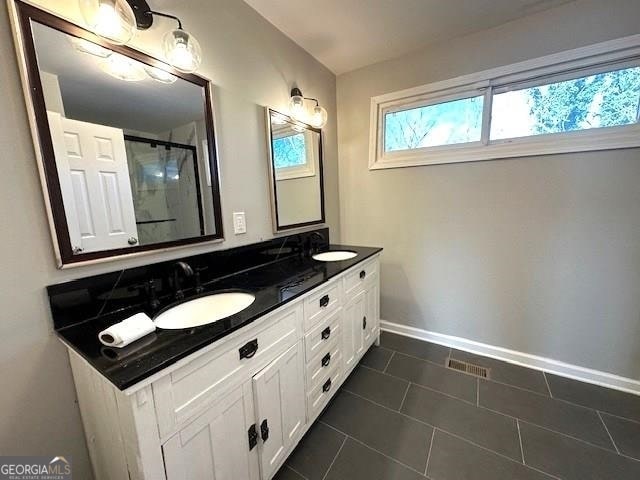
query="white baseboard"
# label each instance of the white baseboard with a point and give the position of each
(536, 362)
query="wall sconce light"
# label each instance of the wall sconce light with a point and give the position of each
(318, 115)
(117, 21)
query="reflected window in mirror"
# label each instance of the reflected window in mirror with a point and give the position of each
(127, 144)
(296, 171)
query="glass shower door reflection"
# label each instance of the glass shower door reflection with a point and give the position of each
(166, 190)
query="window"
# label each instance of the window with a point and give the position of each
(293, 154)
(607, 99)
(289, 151)
(586, 99)
(457, 121)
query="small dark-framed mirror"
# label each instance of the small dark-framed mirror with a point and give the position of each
(296, 172)
(125, 143)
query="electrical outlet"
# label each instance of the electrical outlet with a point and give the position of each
(239, 223)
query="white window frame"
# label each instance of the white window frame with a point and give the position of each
(307, 169)
(591, 59)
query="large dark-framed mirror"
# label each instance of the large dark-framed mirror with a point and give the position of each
(125, 143)
(296, 172)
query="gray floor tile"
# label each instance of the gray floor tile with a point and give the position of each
(376, 357)
(507, 372)
(414, 347)
(357, 462)
(376, 386)
(545, 411)
(285, 473)
(491, 430)
(454, 459)
(434, 376)
(571, 459)
(599, 398)
(391, 433)
(315, 452)
(625, 434)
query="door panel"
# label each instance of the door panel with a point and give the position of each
(215, 446)
(94, 178)
(371, 313)
(352, 332)
(280, 407)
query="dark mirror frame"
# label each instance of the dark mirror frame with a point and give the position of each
(25, 14)
(272, 174)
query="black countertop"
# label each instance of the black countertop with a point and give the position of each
(273, 285)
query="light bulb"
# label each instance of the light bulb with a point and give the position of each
(111, 19)
(318, 117)
(182, 50)
(85, 46)
(160, 75)
(296, 107)
(124, 68)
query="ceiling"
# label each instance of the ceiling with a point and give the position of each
(158, 107)
(348, 34)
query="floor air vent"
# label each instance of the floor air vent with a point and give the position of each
(469, 368)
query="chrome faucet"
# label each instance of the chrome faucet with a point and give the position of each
(187, 271)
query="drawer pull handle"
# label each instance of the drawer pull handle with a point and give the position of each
(324, 301)
(264, 430)
(253, 436)
(363, 274)
(249, 349)
(327, 386)
(364, 323)
(326, 360)
(326, 333)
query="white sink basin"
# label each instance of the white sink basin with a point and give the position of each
(204, 310)
(334, 256)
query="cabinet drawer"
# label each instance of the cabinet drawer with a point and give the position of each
(323, 362)
(356, 280)
(322, 334)
(321, 304)
(189, 390)
(320, 395)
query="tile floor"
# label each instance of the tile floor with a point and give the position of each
(402, 415)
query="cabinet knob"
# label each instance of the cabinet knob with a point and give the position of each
(132, 241)
(362, 274)
(364, 323)
(77, 250)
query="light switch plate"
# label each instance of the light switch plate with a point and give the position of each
(239, 223)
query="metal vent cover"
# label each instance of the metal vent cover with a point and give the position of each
(466, 367)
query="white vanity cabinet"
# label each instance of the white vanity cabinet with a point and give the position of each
(237, 408)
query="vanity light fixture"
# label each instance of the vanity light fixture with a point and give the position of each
(124, 68)
(85, 46)
(160, 75)
(117, 21)
(317, 117)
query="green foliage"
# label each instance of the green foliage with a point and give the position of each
(602, 100)
(289, 151)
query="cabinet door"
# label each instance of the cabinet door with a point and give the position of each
(370, 320)
(215, 446)
(280, 407)
(352, 333)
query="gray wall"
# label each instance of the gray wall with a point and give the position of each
(540, 255)
(253, 64)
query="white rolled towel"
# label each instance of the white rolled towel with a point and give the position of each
(127, 331)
